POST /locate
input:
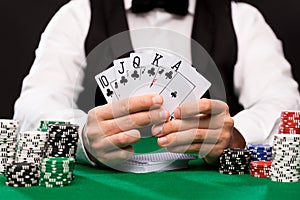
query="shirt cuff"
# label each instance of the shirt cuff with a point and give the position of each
(255, 130)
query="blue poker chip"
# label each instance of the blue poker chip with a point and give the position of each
(261, 154)
(259, 146)
(260, 159)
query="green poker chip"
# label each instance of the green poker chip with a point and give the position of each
(56, 171)
(58, 159)
(44, 124)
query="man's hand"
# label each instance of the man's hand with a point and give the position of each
(111, 129)
(203, 127)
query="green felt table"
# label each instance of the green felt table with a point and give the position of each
(197, 182)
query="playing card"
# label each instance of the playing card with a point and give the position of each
(185, 86)
(108, 84)
(153, 64)
(128, 77)
(156, 162)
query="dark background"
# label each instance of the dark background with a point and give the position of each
(22, 22)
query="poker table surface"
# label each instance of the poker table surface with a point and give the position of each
(199, 181)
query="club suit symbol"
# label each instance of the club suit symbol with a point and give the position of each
(135, 75)
(123, 80)
(174, 94)
(151, 71)
(109, 93)
(169, 75)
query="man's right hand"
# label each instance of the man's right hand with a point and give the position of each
(111, 129)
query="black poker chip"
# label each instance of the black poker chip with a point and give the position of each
(62, 142)
(234, 161)
(22, 174)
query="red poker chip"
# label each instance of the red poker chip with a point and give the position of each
(289, 132)
(289, 126)
(261, 163)
(289, 121)
(260, 175)
(287, 112)
(260, 169)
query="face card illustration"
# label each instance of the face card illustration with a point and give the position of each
(108, 84)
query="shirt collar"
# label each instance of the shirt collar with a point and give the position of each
(192, 5)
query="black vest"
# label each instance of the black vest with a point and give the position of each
(212, 28)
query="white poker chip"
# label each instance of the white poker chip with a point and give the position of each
(286, 156)
(8, 142)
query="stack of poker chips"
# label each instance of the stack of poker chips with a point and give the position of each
(8, 142)
(260, 152)
(286, 149)
(234, 161)
(44, 124)
(289, 122)
(260, 169)
(22, 175)
(286, 158)
(56, 172)
(31, 146)
(62, 140)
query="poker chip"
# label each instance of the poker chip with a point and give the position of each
(8, 142)
(56, 171)
(31, 146)
(44, 124)
(260, 169)
(260, 152)
(286, 149)
(234, 161)
(22, 174)
(289, 122)
(62, 142)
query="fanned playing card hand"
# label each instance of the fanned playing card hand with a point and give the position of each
(153, 72)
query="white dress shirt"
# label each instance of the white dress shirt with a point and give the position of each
(262, 76)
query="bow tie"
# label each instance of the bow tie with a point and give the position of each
(178, 7)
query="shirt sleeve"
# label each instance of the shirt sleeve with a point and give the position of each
(52, 87)
(262, 77)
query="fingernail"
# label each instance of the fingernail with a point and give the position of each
(157, 129)
(163, 114)
(157, 99)
(162, 140)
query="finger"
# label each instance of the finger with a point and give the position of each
(209, 152)
(192, 148)
(117, 156)
(211, 136)
(202, 106)
(136, 120)
(127, 106)
(196, 122)
(119, 140)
